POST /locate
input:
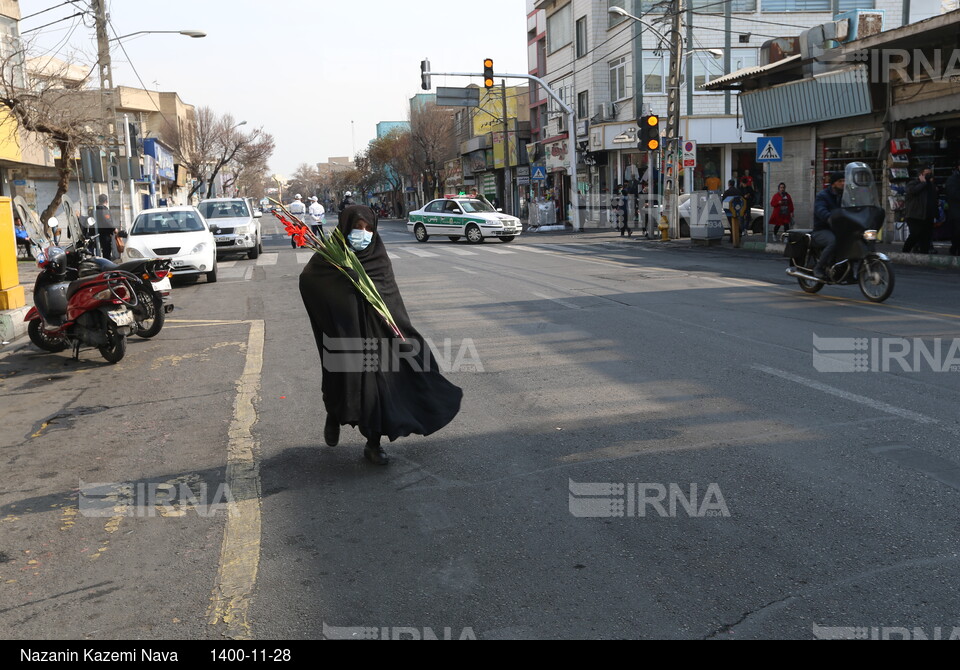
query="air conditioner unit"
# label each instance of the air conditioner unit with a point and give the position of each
(609, 111)
(562, 123)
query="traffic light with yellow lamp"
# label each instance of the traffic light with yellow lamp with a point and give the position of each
(488, 73)
(650, 133)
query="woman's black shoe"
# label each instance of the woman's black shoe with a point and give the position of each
(375, 454)
(331, 432)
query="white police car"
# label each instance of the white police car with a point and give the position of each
(455, 218)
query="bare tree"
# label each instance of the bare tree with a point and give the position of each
(433, 142)
(252, 158)
(390, 156)
(214, 141)
(45, 106)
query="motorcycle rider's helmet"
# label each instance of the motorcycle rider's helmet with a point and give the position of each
(53, 260)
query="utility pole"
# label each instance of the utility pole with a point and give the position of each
(507, 177)
(671, 183)
(108, 107)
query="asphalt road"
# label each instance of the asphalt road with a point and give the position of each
(602, 381)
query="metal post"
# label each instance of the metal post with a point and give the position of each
(767, 211)
(673, 117)
(107, 100)
(507, 179)
(129, 158)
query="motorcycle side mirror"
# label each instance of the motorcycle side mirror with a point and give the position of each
(91, 222)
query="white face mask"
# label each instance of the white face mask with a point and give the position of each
(360, 239)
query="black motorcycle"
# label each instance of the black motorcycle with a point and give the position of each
(856, 224)
(152, 285)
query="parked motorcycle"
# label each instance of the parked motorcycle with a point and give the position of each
(95, 311)
(856, 224)
(152, 284)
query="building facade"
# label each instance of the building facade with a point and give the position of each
(613, 69)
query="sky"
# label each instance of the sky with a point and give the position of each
(316, 74)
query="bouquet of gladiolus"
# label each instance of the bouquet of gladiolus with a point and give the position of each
(335, 250)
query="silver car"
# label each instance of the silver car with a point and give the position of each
(235, 225)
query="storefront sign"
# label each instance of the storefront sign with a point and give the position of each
(523, 175)
(164, 159)
(558, 155)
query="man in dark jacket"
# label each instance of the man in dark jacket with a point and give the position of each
(827, 201)
(952, 191)
(921, 210)
(105, 227)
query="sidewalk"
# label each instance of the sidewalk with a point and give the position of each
(751, 242)
(13, 328)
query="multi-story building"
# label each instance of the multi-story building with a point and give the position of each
(612, 69)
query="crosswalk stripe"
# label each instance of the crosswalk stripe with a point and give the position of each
(492, 250)
(304, 256)
(393, 256)
(562, 248)
(460, 252)
(226, 265)
(419, 252)
(268, 259)
(531, 248)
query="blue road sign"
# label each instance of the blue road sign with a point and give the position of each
(769, 149)
(538, 173)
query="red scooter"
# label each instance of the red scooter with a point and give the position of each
(71, 312)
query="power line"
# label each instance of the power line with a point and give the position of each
(47, 25)
(48, 9)
(142, 85)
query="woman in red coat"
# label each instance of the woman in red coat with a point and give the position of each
(782, 205)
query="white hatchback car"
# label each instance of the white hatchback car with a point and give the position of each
(178, 233)
(462, 217)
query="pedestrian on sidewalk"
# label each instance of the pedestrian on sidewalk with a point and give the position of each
(782, 205)
(952, 192)
(385, 386)
(106, 227)
(921, 209)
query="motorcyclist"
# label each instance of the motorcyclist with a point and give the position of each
(348, 201)
(827, 201)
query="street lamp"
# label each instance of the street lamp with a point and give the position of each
(196, 34)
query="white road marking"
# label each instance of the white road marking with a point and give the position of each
(304, 256)
(460, 252)
(531, 248)
(393, 256)
(469, 272)
(567, 249)
(226, 264)
(568, 305)
(420, 252)
(494, 250)
(846, 395)
(268, 259)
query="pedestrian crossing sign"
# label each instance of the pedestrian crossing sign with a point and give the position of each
(538, 173)
(769, 149)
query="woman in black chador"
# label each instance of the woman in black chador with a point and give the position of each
(372, 381)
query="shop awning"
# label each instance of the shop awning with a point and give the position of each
(924, 108)
(726, 80)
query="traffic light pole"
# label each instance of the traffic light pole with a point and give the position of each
(571, 130)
